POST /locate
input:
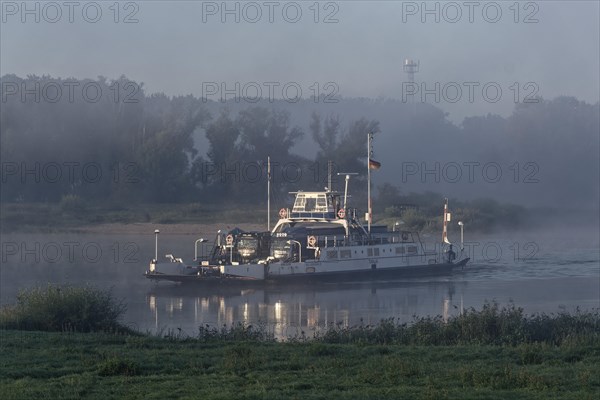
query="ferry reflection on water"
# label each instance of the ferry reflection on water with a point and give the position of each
(289, 311)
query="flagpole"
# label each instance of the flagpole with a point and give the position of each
(369, 179)
(268, 193)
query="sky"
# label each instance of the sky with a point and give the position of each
(474, 57)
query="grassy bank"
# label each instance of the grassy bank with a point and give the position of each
(60, 366)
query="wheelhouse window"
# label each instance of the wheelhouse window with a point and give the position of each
(310, 202)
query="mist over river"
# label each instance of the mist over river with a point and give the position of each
(550, 271)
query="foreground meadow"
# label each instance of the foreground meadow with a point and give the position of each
(67, 343)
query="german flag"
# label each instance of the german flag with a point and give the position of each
(374, 164)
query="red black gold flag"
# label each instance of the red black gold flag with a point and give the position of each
(374, 164)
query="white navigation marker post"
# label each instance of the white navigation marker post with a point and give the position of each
(447, 218)
(462, 235)
(156, 232)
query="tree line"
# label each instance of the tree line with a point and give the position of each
(109, 141)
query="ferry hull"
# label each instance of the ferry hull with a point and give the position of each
(323, 276)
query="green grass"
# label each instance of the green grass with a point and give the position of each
(67, 365)
(491, 353)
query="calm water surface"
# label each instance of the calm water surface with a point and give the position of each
(541, 272)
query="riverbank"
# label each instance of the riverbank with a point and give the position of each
(192, 218)
(67, 365)
(113, 219)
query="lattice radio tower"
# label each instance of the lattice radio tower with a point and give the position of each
(411, 68)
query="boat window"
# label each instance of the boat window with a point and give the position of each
(370, 252)
(332, 254)
(310, 202)
(399, 250)
(322, 203)
(345, 254)
(412, 249)
(376, 251)
(299, 204)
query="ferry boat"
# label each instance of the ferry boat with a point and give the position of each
(319, 237)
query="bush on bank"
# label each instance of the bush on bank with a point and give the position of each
(64, 309)
(491, 325)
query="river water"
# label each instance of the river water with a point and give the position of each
(541, 272)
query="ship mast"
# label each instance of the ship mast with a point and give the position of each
(268, 193)
(369, 152)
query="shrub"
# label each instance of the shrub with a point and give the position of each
(64, 308)
(491, 326)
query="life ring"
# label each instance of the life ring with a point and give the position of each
(229, 239)
(341, 213)
(404, 236)
(312, 241)
(282, 213)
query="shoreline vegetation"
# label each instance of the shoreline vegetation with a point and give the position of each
(81, 349)
(74, 215)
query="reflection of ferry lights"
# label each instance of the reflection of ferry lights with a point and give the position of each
(204, 304)
(198, 317)
(246, 313)
(445, 309)
(281, 322)
(152, 302)
(222, 305)
(174, 304)
(225, 317)
(312, 316)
